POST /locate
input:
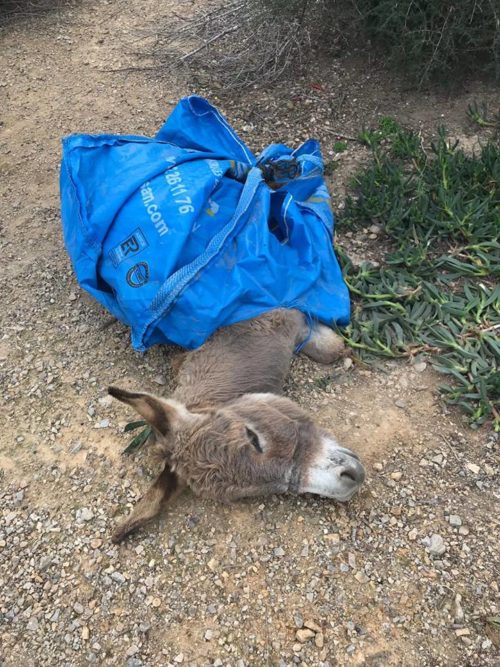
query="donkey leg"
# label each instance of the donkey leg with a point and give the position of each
(164, 488)
(324, 346)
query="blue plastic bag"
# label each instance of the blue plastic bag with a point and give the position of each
(187, 232)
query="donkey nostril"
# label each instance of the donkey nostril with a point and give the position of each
(355, 473)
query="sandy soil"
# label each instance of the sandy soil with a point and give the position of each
(206, 584)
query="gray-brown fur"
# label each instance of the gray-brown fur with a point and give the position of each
(226, 433)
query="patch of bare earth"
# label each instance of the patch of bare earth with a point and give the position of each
(406, 574)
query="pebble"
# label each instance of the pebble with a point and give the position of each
(304, 634)
(455, 520)
(134, 662)
(78, 608)
(118, 577)
(279, 552)
(462, 632)
(436, 545)
(160, 379)
(362, 577)
(298, 619)
(85, 633)
(347, 363)
(400, 403)
(396, 476)
(179, 658)
(312, 625)
(319, 640)
(85, 514)
(475, 469)
(32, 625)
(420, 366)
(105, 401)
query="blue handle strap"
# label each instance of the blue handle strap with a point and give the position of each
(178, 281)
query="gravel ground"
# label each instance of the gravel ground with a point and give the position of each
(406, 574)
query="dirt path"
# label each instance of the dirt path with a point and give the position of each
(212, 585)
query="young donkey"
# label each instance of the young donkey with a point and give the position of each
(228, 434)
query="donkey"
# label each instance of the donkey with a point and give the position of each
(228, 434)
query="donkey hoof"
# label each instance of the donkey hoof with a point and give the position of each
(324, 346)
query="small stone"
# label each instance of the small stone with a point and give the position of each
(105, 401)
(319, 640)
(118, 577)
(179, 658)
(78, 608)
(412, 535)
(75, 447)
(86, 514)
(279, 552)
(378, 467)
(475, 469)
(32, 625)
(96, 543)
(132, 650)
(436, 545)
(462, 632)
(212, 564)
(85, 633)
(297, 648)
(298, 620)
(209, 635)
(347, 363)
(312, 625)
(455, 520)
(156, 602)
(374, 229)
(104, 423)
(361, 577)
(304, 634)
(420, 366)
(459, 612)
(134, 662)
(463, 530)
(438, 459)
(400, 403)
(333, 537)
(396, 476)
(160, 379)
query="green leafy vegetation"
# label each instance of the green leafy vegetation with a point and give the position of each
(139, 439)
(436, 293)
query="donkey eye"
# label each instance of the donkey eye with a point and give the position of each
(254, 439)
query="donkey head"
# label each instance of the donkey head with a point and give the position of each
(255, 445)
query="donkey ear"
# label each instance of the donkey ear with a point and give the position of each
(164, 415)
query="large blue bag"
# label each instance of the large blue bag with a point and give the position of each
(187, 232)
